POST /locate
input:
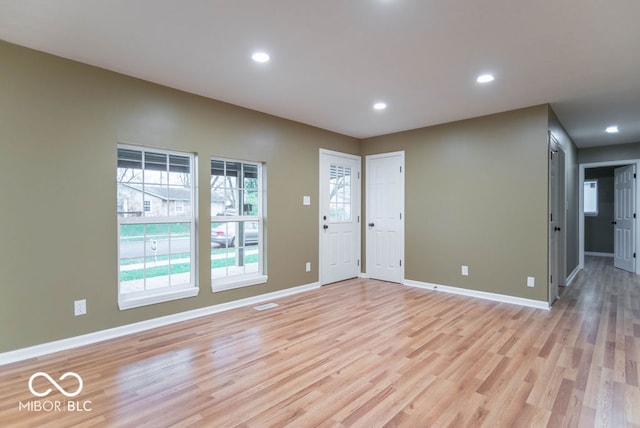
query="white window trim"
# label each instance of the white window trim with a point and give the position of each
(249, 279)
(222, 284)
(150, 297)
(129, 302)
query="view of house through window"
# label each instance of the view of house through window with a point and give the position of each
(236, 222)
(156, 221)
(340, 194)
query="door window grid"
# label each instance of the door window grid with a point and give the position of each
(339, 194)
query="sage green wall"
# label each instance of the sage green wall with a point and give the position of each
(609, 153)
(476, 195)
(572, 192)
(61, 122)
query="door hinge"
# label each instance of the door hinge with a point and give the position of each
(551, 279)
(634, 255)
(358, 175)
(634, 175)
(400, 170)
(400, 216)
(550, 216)
(358, 219)
(400, 262)
(358, 262)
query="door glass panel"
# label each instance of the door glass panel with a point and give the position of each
(339, 194)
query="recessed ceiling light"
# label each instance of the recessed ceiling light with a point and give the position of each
(485, 78)
(260, 57)
(613, 129)
(380, 105)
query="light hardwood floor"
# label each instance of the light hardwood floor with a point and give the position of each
(367, 354)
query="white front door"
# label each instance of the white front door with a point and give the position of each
(624, 204)
(385, 216)
(339, 216)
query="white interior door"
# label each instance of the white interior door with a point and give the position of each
(554, 222)
(385, 216)
(339, 216)
(624, 218)
(557, 219)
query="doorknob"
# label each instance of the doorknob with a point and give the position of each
(614, 222)
(325, 227)
(371, 224)
(557, 229)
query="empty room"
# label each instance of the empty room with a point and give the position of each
(360, 213)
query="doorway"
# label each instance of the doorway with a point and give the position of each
(610, 229)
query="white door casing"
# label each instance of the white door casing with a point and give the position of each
(581, 223)
(385, 216)
(339, 216)
(624, 218)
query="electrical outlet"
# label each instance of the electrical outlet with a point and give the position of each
(307, 266)
(531, 281)
(465, 270)
(80, 307)
(306, 200)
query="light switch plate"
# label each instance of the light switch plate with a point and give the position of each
(80, 307)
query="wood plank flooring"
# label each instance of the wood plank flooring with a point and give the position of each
(361, 353)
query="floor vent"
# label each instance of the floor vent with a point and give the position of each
(265, 306)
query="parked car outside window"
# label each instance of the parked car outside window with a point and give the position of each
(224, 234)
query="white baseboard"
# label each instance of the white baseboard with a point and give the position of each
(112, 333)
(596, 254)
(573, 275)
(479, 294)
(363, 275)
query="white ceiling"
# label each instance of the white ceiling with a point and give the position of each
(332, 59)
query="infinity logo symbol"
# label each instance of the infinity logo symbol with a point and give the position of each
(55, 384)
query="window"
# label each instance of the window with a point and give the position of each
(236, 224)
(340, 194)
(591, 197)
(156, 245)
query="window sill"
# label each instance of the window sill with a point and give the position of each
(245, 281)
(125, 302)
